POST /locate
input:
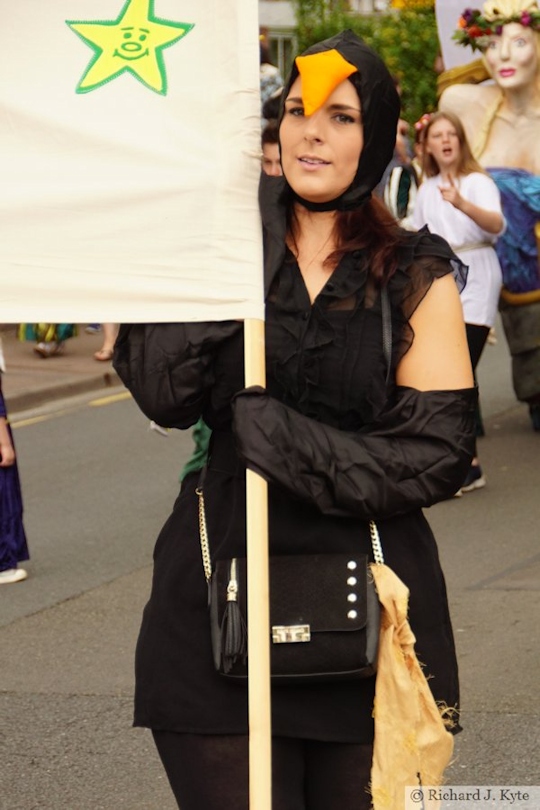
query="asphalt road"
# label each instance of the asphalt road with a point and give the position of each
(98, 485)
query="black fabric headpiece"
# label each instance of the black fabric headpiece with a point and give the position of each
(380, 107)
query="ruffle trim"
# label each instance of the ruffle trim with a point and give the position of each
(423, 259)
(347, 282)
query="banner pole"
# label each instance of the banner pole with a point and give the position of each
(259, 699)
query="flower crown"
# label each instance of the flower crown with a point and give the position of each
(474, 27)
(422, 122)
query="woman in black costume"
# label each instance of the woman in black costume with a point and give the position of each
(338, 438)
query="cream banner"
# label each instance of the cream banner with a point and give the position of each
(129, 161)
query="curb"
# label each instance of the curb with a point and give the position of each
(67, 388)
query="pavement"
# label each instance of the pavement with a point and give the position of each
(31, 381)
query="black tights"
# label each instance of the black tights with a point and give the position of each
(211, 772)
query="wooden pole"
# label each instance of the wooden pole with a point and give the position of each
(260, 721)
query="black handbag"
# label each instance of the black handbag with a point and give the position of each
(324, 614)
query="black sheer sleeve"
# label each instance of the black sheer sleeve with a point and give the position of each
(415, 454)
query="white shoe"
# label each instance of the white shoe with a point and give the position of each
(12, 575)
(474, 480)
(49, 349)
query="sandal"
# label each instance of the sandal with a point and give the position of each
(104, 355)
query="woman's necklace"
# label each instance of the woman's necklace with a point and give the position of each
(313, 272)
(306, 265)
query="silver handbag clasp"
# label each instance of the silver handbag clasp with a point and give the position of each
(290, 633)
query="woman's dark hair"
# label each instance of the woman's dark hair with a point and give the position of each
(371, 228)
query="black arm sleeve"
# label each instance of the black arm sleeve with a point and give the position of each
(417, 453)
(168, 367)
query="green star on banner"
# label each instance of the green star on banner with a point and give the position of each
(134, 42)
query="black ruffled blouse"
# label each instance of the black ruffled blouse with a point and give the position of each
(326, 359)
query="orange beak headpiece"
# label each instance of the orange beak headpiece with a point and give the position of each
(322, 68)
(321, 73)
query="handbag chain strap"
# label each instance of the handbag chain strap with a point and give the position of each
(387, 349)
(376, 543)
(203, 534)
(205, 546)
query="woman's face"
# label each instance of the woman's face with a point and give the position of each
(271, 161)
(512, 57)
(320, 152)
(442, 143)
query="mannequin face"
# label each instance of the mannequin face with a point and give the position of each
(320, 152)
(512, 57)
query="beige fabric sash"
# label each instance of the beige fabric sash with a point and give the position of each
(471, 246)
(412, 744)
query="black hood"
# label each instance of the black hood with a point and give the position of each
(380, 106)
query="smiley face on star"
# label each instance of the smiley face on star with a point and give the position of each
(133, 43)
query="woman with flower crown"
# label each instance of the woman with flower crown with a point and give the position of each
(502, 121)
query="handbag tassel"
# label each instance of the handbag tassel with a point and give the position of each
(233, 627)
(233, 637)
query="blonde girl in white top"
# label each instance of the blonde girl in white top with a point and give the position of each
(459, 201)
